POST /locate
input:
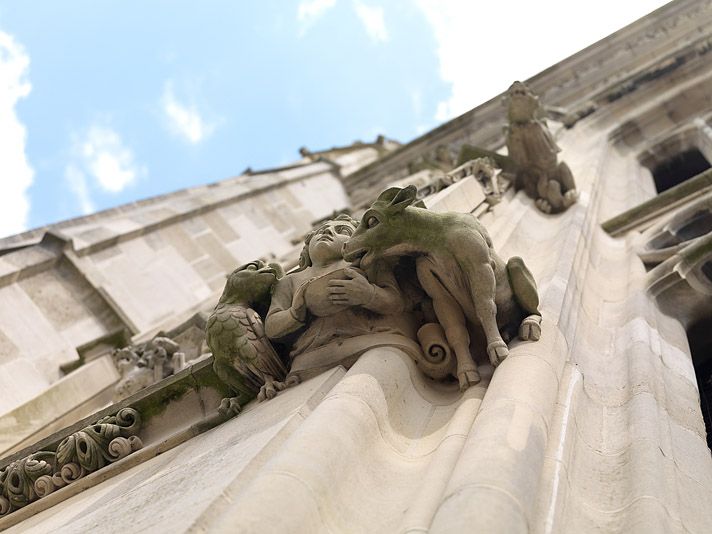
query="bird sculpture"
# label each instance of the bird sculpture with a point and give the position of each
(245, 360)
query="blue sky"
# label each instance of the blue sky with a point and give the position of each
(106, 102)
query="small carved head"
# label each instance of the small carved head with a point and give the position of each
(383, 230)
(327, 240)
(482, 168)
(523, 104)
(251, 284)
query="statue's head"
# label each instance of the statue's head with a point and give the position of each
(323, 245)
(252, 284)
(482, 168)
(523, 105)
(384, 229)
(443, 155)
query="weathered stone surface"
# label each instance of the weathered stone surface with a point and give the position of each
(596, 427)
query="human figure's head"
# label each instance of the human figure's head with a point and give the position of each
(322, 246)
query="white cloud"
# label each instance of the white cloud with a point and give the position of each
(102, 156)
(184, 120)
(16, 174)
(309, 11)
(373, 21)
(483, 47)
(78, 184)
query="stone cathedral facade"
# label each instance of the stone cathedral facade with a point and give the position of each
(501, 326)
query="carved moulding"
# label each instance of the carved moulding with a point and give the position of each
(677, 232)
(682, 284)
(37, 475)
(679, 249)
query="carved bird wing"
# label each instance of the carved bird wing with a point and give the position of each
(236, 336)
(266, 361)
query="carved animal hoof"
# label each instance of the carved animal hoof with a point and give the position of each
(497, 352)
(530, 329)
(229, 407)
(570, 197)
(468, 378)
(543, 205)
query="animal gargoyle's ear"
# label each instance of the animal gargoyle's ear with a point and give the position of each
(404, 198)
(389, 194)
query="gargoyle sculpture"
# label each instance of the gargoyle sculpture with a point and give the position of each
(469, 284)
(244, 358)
(144, 364)
(483, 169)
(533, 149)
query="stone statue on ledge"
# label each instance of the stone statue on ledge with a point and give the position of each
(474, 293)
(144, 364)
(327, 310)
(244, 358)
(427, 283)
(534, 151)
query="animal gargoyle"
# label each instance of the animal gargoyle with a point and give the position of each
(535, 153)
(474, 293)
(245, 359)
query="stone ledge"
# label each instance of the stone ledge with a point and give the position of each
(171, 412)
(659, 205)
(159, 399)
(55, 402)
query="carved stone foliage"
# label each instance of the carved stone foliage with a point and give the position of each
(85, 451)
(146, 363)
(485, 172)
(484, 169)
(429, 283)
(533, 149)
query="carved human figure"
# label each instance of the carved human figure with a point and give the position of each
(475, 293)
(532, 147)
(326, 301)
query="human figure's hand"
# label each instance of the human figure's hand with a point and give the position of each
(299, 304)
(356, 290)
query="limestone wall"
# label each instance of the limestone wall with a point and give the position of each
(143, 267)
(596, 427)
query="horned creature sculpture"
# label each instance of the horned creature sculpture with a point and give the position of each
(475, 294)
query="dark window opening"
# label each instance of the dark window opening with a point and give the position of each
(679, 168)
(698, 225)
(700, 338)
(707, 270)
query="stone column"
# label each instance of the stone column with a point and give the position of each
(494, 484)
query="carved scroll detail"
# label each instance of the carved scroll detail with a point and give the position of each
(85, 451)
